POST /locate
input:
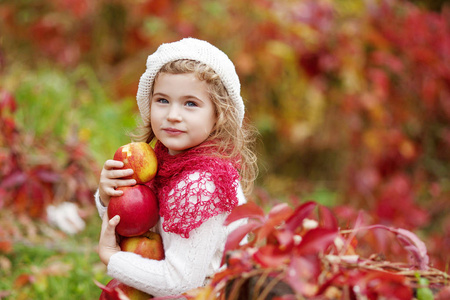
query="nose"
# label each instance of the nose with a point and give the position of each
(174, 114)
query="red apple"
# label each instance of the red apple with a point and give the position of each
(148, 245)
(140, 157)
(138, 210)
(110, 291)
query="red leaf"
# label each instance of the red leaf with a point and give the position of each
(372, 284)
(20, 204)
(37, 193)
(414, 246)
(327, 218)
(157, 7)
(271, 256)
(78, 8)
(23, 279)
(330, 281)
(300, 213)
(280, 211)
(8, 129)
(7, 101)
(235, 237)
(110, 293)
(410, 242)
(47, 175)
(351, 238)
(238, 262)
(302, 274)
(247, 210)
(284, 237)
(277, 215)
(14, 180)
(316, 240)
(386, 284)
(6, 246)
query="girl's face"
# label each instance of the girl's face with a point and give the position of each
(182, 113)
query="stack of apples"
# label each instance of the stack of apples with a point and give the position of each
(139, 211)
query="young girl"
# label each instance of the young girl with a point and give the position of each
(190, 104)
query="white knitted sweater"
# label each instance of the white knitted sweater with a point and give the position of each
(187, 263)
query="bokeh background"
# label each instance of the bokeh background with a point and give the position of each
(351, 100)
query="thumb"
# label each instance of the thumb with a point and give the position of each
(109, 225)
(108, 241)
(114, 221)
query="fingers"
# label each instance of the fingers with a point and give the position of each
(118, 182)
(119, 173)
(112, 177)
(108, 243)
(113, 192)
(113, 169)
(113, 164)
(112, 188)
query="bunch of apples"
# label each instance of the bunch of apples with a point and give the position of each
(139, 211)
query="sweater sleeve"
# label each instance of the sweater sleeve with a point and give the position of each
(101, 209)
(184, 267)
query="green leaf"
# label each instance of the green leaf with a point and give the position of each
(423, 292)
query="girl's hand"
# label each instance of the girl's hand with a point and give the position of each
(107, 245)
(111, 178)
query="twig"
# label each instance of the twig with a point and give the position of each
(270, 286)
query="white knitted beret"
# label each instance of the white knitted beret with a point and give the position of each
(193, 49)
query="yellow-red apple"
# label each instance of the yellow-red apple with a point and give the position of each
(110, 291)
(148, 245)
(138, 210)
(140, 157)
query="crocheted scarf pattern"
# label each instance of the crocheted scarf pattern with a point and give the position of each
(186, 200)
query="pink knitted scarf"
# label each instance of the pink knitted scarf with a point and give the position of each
(185, 193)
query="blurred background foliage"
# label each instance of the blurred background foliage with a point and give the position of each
(351, 100)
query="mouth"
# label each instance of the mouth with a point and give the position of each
(172, 131)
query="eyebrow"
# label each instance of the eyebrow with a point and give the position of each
(159, 94)
(184, 97)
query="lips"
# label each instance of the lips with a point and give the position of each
(172, 131)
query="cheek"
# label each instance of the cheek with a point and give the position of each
(211, 127)
(153, 113)
(154, 120)
(215, 121)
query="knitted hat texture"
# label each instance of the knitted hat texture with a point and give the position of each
(193, 49)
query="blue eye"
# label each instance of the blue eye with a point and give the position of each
(162, 100)
(191, 104)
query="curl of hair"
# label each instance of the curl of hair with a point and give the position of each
(233, 140)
